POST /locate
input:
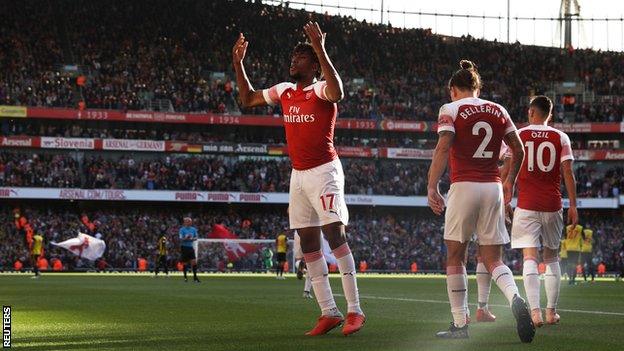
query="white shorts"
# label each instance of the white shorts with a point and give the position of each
(317, 196)
(297, 251)
(476, 209)
(531, 226)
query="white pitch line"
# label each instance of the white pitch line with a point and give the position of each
(406, 299)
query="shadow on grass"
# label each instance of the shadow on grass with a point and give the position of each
(74, 343)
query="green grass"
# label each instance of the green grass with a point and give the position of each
(242, 312)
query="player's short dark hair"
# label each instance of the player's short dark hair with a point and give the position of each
(466, 78)
(307, 49)
(543, 104)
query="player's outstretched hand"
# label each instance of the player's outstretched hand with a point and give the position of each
(315, 36)
(572, 216)
(435, 200)
(240, 49)
(508, 214)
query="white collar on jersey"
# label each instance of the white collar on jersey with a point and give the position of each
(538, 126)
(474, 98)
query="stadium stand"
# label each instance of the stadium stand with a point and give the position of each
(122, 67)
(109, 60)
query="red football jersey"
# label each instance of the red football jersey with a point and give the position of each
(479, 127)
(539, 180)
(309, 121)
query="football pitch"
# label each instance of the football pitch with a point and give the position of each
(258, 312)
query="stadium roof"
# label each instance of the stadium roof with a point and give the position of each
(532, 22)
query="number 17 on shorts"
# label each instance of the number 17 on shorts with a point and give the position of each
(333, 208)
(327, 201)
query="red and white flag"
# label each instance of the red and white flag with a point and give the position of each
(234, 250)
(84, 246)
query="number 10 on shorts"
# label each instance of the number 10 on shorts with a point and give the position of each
(327, 201)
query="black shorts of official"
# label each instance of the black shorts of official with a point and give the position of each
(281, 257)
(162, 260)
(586, 257)
(187, 254)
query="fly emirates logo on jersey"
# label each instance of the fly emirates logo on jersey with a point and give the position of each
(294, 115)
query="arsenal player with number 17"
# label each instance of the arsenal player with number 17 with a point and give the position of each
(316, 198)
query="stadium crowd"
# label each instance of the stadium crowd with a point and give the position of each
(122, 56)
(592, 182)
(384, 241)
(39, 170)
(212, 173)
(227, 173)
(230, 174)
(187, 173)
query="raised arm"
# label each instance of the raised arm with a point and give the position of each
(570, 184)
(436, 170)
(517, 157)
(249, 97)
(333, 91)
